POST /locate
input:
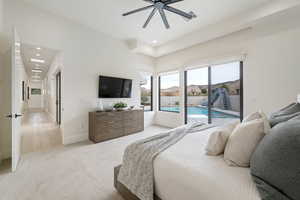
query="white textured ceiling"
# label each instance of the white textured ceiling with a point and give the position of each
(30, 51)
(106, 16)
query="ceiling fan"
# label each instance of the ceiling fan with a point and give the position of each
(160, 6)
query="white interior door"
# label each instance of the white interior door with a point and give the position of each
(16, 99)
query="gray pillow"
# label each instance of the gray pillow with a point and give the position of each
(295, 118)
(275, 164)
(285, 114)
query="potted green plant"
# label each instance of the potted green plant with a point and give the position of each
(120, 106)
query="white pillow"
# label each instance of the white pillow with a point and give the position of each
(260, 115)
(217, 140)
(243, 142)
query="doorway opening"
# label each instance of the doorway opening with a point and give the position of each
(58, 98)
(40, 130)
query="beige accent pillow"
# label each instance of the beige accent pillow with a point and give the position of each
(252, 116)
(243, 142)
(217, 140)
(260, 115)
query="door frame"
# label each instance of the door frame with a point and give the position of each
(58, 97)
(210, 92)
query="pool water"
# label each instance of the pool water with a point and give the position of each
(200, 111)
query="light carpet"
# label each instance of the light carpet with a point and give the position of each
(82, 171)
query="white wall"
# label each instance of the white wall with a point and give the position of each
(86, 55)
(1, 15)
(50, 86)
(1, 102)
(271, 67)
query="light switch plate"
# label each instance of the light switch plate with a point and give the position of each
(298, 98)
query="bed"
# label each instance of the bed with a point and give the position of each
(183, 171)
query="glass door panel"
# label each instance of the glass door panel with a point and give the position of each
(197, 91)
(225, 93)
(169, 93)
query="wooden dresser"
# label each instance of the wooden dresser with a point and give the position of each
(109, 125)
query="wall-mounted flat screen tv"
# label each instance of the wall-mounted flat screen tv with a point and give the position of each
(111, 87)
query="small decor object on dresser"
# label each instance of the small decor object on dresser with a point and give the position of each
(120, 106)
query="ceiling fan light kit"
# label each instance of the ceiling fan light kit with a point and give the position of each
(160, 6)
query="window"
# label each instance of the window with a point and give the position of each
(146, 94)
(169, 93)
(226, 101)
(214, 94)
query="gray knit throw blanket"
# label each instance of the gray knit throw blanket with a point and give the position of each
(137, 172)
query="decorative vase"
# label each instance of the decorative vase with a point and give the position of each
(120, 109)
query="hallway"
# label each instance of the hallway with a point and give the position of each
(39, 132)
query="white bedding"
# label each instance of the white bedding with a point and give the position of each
(184, 172)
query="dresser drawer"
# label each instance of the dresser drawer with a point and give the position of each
(109, 117)
(108, 124)
(131, 116)
(108, 133)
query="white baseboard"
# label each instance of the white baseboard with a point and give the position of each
(75, 138)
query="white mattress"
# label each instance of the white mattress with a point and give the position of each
(184, 172)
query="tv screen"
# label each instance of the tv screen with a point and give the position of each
(110, 87)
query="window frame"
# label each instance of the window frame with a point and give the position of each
(151, 97)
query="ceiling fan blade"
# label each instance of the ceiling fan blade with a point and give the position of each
(164, 18)
(150, 17)
(172, 1)
(149, 1)
(138, 10)
(178, 12)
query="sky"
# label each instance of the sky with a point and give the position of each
(170, 80)
(220, 74)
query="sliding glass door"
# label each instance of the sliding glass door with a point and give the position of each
(214, 94)
(225, 93)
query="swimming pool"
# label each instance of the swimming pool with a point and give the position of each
(200, 111)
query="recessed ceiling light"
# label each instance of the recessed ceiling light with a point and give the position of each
(154, 42)
(37, 71)
(38, 55)
(38, 48)
(37, 60)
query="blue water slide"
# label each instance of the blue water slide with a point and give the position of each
(221, 93)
